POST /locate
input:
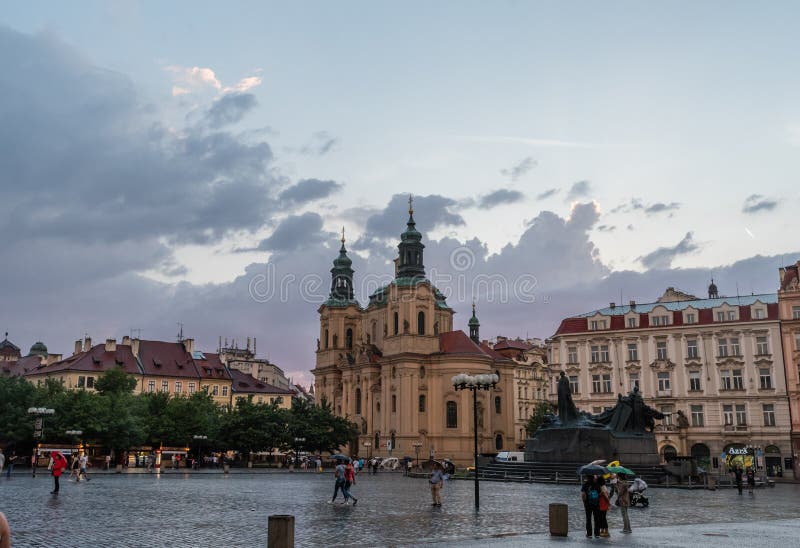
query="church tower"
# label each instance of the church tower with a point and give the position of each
(342, 276)
(410, 263)
(474, 327)
(712, 290)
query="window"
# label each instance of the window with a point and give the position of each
(694, 381)
(741, 415)
(797, 341)
(358, 401)
(394, 403)
(421, 323)
(573, 384)
(396, 323)
(498, 405)
(422, 403)
(89, 382)
(698, 418)
(452, 415)
(737, 379)
(81, 381)
(633, 378)
(691, 317)
(178, 387)
(765, 377)
(192, 388)
(762, 348)
(720, 316)
(660, 320)
(667, 410)
(215, 390)
(731, 315)
(165, 386)
(151, 386)
(758, 313)
(725, 380)
(735, 350)
(348, 339)
(633, 352)
(796, 312)
(691, 348)
(607, 383)
(572, 354)
(663, 381)
(769, 414)
(722, 347)
(596, 384)
(326, 338)
(661, 350)
(597, 324)
(498, 442)
(631, 322)
(727, 415)
(224, 390)
(600, 353)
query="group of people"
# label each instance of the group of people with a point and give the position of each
(78, 467)
(597, 492)
(738, 474)
(8, 463)
(345, 477)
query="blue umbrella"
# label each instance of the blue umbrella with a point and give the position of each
(592, 470)
(344, 458)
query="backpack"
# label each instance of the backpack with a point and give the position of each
(593, 497)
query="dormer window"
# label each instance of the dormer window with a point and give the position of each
(759, 314)
(596, 325)
(660, 320)
(631, 322)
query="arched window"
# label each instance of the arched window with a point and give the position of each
(396, 323)
(374, 330)
(326, 339)
(358, 401)
(669, 453)
(394, 403)
(422, 403)
(348, 338)
(421, 371)
(701, 454)
(498, 405)
(335, 340)
(435, 328)
(498, 442)
(377, 440)
(452, 414)
(421, 323)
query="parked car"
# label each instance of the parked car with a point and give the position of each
(510, 456)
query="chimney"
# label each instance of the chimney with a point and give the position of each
(612, 305)
(111, 345)
(78, 347)
(633, 304)
(135, 347)
(248, 343)
(87, 344)
(188, 344)
(254, 346)
(126, 340)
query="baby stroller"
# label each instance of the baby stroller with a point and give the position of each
(637, 493)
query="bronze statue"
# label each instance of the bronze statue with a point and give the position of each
(567, 412)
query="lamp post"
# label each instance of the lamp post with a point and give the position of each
(38, 429)
(417, 445)
(76, 434)
(297, 441)
(462, 381)
(368, 445)
(199, 439)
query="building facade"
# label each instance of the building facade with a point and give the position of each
(789, 313)
(714, 366)
(245, 360)
(388, 366)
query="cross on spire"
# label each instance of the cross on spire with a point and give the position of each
(410, 204)
(342, 235)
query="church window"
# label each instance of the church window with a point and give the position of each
(349, 339)
(422, 372)
(326, 338)
(374, 330)
(452, 415)
(396, 323)
(498, 442)
(421, 323)
(422, 403)
(435, 328)
(394, 403)
(358, 401)
(498, 405)
(377, 440)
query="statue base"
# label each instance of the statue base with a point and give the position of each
(585, 444)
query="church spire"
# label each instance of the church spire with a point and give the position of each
(474, 327)
(342, 275)
(410, 264)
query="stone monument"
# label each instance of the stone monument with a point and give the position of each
(623, 433)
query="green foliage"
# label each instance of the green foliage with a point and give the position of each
(16, 396)
(541, 410)
(115, 381)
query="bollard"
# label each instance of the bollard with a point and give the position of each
(280, 531)
(559, 526)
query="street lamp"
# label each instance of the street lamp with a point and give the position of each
(462, 381)
(297, 441)
(38, 429)
(199, 439)
(368, 445)
(417, 445)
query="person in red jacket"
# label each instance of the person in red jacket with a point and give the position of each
(58, 466)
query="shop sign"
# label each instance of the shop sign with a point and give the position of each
(738, 451)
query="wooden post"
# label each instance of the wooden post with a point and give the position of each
(559, 524)
(280, 531)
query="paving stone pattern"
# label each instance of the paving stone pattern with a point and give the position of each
(214, 509)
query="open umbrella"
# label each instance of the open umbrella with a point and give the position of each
(599, 462)
(592, 470)
(620, 470)
(344, 458)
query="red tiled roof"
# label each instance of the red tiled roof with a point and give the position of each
(492, 353)
(513, 345)
(26, 365)
(211, 367)
(97, 359)
(457, 342)
(245, 384)
(166, 359)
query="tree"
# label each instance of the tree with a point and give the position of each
(322, 430)
(16, 426)
(116, 381)
(251, 427)
(538, 417)
(121, 424)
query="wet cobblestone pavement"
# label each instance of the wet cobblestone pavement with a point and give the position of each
(205, 510)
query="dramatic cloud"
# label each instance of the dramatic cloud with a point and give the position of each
(500, 197)
(662, 257)
(321, 143)
(295, 232)
(756, 202)
(579, 190)
(229, 109)
(308, 190)
(245, 84)
(189, 78)
(523, 167)
(431, 211)
(547, 194)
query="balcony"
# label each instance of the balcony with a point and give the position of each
(665, 428)
(664, 393)
(735, 429)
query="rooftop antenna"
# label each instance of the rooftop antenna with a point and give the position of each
(137, 331)
(180, 332)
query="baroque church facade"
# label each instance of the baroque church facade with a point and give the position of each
(387, 366)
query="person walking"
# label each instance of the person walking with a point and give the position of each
(338, 474)
(603, 505)
(73, 468)
(737, 474)
(57, 466)
(12, 459)
(590, 494)
(751, 480)
(437, 482)
(349, 479)
(2, 461)
(83, 462)
(624, 502)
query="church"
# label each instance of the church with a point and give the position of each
(387, 366)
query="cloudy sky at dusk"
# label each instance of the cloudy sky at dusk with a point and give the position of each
(194, 163)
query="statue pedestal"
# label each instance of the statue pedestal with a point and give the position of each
(585, 444)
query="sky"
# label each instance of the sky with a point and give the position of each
(195, 162)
